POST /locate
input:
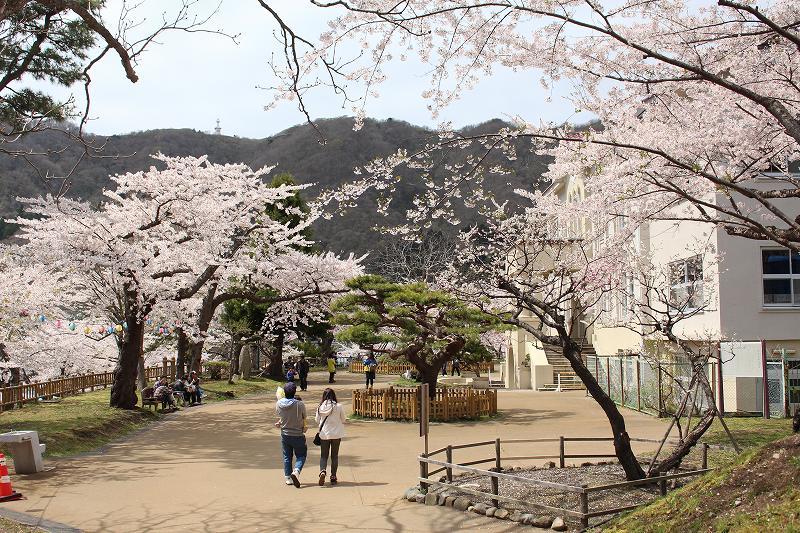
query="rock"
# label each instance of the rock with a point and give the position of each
(420, 498)
(462, 503)
(550, 464)
(526, 519)
(516, 516)
(737, 503)
(558, 524)
(411, 494)
(431, 499)
(449, 501)
(480, 508)
(502, 514)
(587, 463)
(490, 511)
(543, 521)
(470, 509)
(442, 499)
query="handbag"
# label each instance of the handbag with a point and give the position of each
(317, 440)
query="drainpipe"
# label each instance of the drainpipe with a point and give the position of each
(765, 387)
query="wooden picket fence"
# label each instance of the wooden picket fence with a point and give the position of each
(18, 395)
(450, 403)
(397, 368)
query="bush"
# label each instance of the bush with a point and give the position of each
(215, 369)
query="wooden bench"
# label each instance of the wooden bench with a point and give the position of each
(148, 399)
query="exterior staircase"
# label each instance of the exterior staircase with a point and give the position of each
(562, 368)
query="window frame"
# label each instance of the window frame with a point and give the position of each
(791, 276)
(697, 286)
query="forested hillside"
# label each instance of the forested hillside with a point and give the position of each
(295, 150)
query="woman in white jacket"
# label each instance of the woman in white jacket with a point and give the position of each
(330, 420)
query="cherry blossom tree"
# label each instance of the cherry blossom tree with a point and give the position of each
(159, 238)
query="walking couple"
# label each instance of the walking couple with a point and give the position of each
(292, 421)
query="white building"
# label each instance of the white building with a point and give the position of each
(755, 308)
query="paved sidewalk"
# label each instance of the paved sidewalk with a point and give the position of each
(218, 468)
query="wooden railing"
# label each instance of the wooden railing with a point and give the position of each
(32, 392)
(583, 513)
(397, 368)
(450, 403)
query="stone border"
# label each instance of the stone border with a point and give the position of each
(34, 521)
(464, 504)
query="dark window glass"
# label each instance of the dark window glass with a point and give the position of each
(775, 261)
(777, 291)
(795, 263)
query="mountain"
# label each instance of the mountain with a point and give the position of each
(296, 150)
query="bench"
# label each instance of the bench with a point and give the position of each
(26, 450)
(148, 399)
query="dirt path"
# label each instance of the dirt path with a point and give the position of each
(218, 468)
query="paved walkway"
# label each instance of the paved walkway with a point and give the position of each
(218, 468)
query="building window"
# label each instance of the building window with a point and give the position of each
(686, 283)
(781, 277)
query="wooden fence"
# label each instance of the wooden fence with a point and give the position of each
(32, 392)
(450, 403)
(583, 513)
(398, 368)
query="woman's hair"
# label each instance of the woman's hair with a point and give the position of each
(328, 394)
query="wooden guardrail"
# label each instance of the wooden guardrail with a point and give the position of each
(450, 403)
(583, 513)
(32, 392)
(397, 368)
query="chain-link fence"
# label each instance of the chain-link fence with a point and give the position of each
(656, 388)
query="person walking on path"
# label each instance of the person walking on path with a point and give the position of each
(331, 368)
(292, 421)
(330, 420)
(302, 371)
(455, 367)
(370, 364)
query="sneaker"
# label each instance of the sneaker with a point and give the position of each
(296, 478)
(334, 480)
(289, 481)
(322, 478)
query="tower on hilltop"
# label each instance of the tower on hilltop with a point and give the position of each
(217, 130)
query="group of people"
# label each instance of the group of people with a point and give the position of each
(188, 388)
(455, 368)
(330, 419)
(298, 370)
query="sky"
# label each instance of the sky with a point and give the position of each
(189, 80)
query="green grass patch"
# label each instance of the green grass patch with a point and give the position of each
(85, 422)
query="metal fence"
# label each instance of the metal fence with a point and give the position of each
(637, 383)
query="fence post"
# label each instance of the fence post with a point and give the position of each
(449, 453)
(660, 396)
(498, 467)
(704, 449)
(584, 496)
(608, 376)
(662, 485)
(164, 363)
(621, 382)
(423, 472)
(386, 400)
(174, 371)
(561, 451)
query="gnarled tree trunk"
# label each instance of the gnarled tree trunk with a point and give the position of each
(183, 352)
(130, 344)
(275, 366)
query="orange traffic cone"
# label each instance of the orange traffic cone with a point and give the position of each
(7, 494)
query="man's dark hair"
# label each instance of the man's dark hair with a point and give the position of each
(290, 389)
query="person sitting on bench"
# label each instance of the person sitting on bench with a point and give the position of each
(163, 393)
(193, 389)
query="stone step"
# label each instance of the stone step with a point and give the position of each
(564, 387)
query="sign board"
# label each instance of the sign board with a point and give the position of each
(424, 409)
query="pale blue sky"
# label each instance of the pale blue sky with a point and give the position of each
(190, 80)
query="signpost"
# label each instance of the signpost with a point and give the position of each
(424, 417)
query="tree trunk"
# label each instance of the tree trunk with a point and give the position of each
(130, 345)
(141, 374)
(275, 367)
(196, 354)
(246, 361)
(622, 442)
(236, 349)
(430, 375)
(183, 351)
(796, 421)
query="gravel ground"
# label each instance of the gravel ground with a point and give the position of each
(598, 474)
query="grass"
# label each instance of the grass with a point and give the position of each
(85, 422)
(707, 504)
(9, 526)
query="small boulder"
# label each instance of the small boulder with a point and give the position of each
(515, 516)
(480, 508)
(502, 514)
(549, 464)
(558, 524)
(431, 499)
(420, 498)
(461, 503)
(449, 501)
(543, 521)
(526, 519)
(442, 499)
(411, 494)
(587, 463)
(490, 511)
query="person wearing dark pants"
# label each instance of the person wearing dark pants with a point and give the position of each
(455, 367)
(370, 365)
(330, 420)
(302, 371)
(292, 421)
(332, 369)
